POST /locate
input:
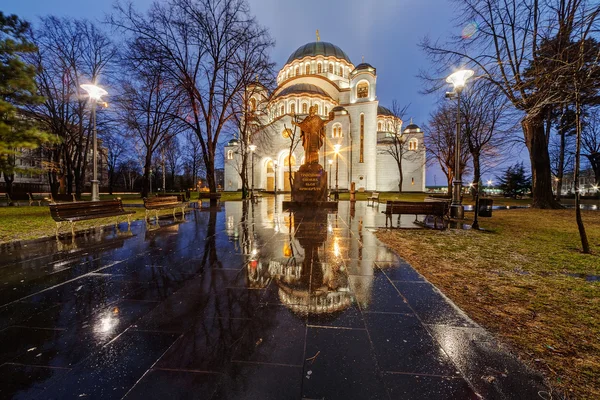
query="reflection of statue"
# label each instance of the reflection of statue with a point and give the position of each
(313, 134)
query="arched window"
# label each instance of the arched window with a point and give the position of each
(362, 90)
(319, 68)
(252, 104)
(307, 70)
(362, 139)
(230, 154)
(270, 166)
(336, 131)
(297, 71)
(379, 126)
(413, 144)
(304, 108)
(287, 74)
(293, 108)
(282, 110)
(331, 68)
(340, 70)
(326, 110)
(390, 127)
(286, 160)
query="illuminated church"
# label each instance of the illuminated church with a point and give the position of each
(321, 74)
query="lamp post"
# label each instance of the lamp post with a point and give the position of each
(275, 185)
(336, 148)
(458, 80)
(95, 93)
(330, 161)
(252, 148)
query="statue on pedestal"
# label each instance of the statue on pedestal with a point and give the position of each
(313, 134)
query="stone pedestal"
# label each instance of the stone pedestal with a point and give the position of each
(310, 189)
(310, 184)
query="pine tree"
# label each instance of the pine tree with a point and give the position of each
(17, 89)
(514, 182)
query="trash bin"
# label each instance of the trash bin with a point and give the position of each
(485, 207)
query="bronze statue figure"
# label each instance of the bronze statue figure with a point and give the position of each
(313, 134)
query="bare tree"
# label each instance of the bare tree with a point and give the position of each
(484, 112)
(507, 51)
(440, 142)
(204, 46)
(115, 144)
(192, 157)
(172, 158)
(70, 52)
(590, 142)
(146, 109)
(397, 142)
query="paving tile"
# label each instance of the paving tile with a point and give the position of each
(181, 385)
(17, 340)
(403, 345)
(26, 381)
(377, 294)
(255, 381)
(431, 306)
(348, 317)
(399, 271)
(113, 371)
(418, 387)
(276, 335)
(207, 346)
(343, 367)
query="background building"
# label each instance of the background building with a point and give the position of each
(321, 74)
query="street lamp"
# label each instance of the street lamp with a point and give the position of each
(458, 80)
(336, 148)
(95, 93)
(252, 148)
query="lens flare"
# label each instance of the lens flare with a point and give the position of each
(469, 30)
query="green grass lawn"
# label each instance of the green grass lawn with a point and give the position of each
(524, 279)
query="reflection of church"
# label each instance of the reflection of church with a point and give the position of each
(320, 74)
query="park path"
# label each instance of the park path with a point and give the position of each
(246, 301)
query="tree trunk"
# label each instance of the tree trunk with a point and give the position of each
(541, 177)
(401, 180)
(476, 171)
(111, 178)
(210, 178)
(146, 180)
(582, 234)
(9, 179)
(561, 166)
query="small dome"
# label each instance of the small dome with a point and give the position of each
(364, 67)
(318, 49)
(412, 128)
(338, 109)
(233, 142)
(381, 110)
(303, 88)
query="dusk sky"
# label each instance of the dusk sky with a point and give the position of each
(385, 32)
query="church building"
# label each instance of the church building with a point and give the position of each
(367, 136)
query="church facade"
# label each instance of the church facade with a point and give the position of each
(368, 137)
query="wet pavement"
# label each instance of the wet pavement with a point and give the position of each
(243, 302)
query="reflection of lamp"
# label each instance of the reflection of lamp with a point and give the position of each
(275, 189)
(458, 79)
(95, 93)
(330, 161)
(336, 148)
(252, 148)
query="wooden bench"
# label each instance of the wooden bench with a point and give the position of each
(61, 198)
(209, 196)
(435, 209)
(85, 210)
(15, 198)
(374, 196)
(163, 203)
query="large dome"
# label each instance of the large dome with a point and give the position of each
(318, 49)
(303, 88)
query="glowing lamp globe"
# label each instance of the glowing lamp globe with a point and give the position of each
(95, 92)
(252, 147)
(459, 78)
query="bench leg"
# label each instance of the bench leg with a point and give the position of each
(58, 225)
(156, 216)
(73, 229)
(146, 217)
(183, 213)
